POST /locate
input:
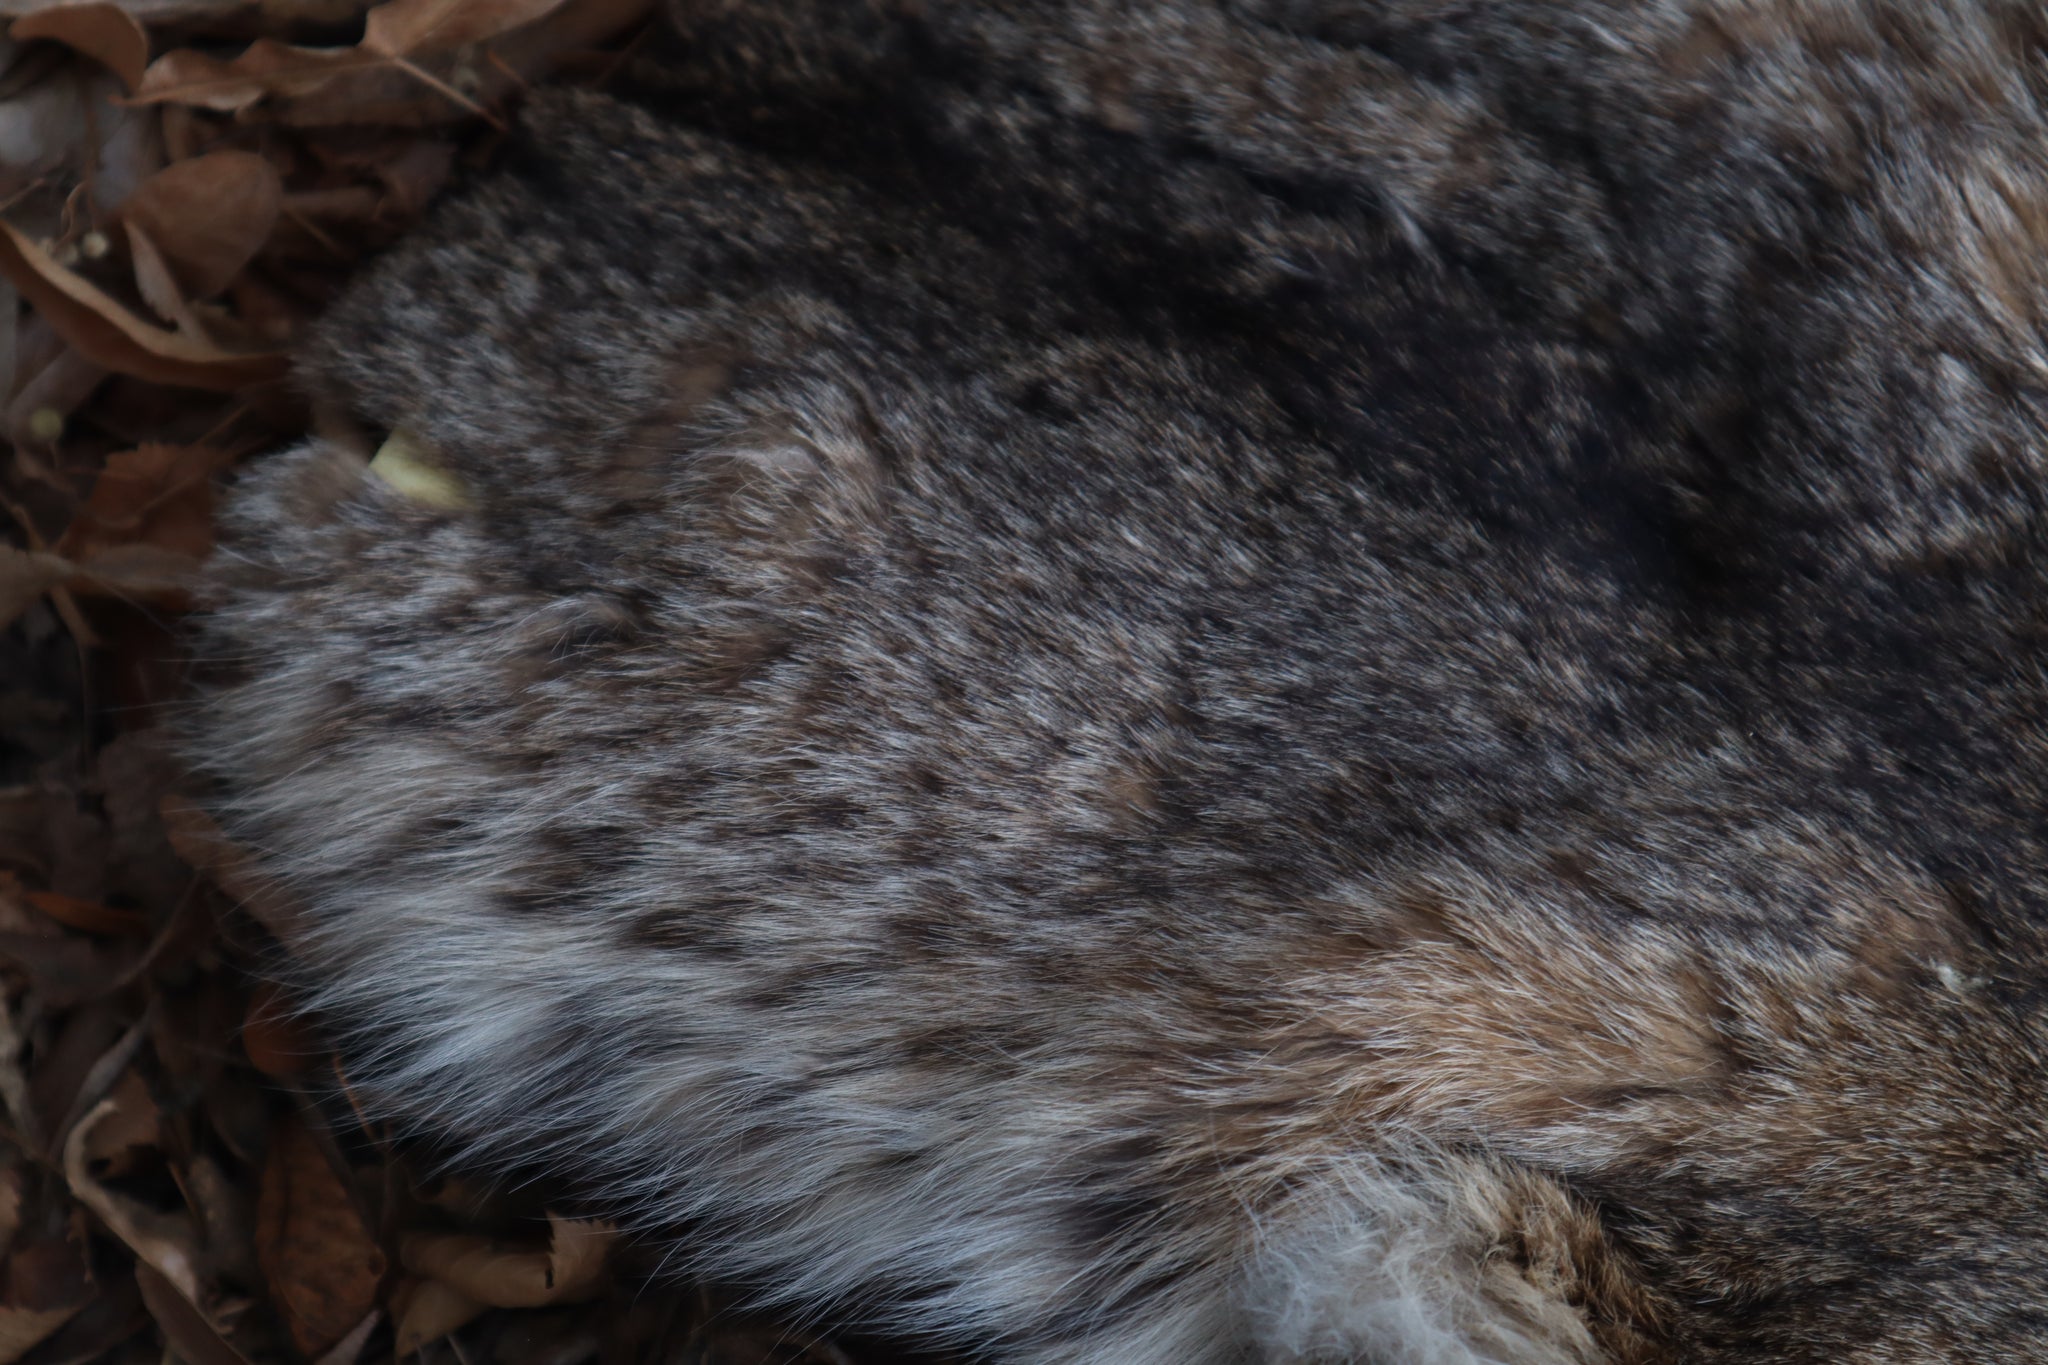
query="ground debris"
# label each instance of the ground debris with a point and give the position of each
(185, 1170)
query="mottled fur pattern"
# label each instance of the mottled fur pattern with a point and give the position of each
(1164, 682)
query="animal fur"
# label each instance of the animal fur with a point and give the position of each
(1166, 682)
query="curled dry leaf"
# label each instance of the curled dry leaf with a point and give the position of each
(106, 33)
(208, 216)
(226, 1213)
(321, 1264)
(135, 1122)
(190, 1336)
(379, 82)
(492, 1273)
(427, 1310)
(108, 334)
(165, 1242)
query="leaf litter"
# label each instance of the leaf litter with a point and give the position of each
(185, 1172)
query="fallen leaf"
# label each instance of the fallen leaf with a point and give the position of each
(165, 1242)
(320, 1261)
(157, 495)
(106, 33)
(134, 1123)
(23, 1329)
(204, 848)
(266, 67)
(79, 1039)
(349, 1348)
(47, 1283)
(501, 1276)
(427, 1310)
(112, 1316)
(190, 1336)
(406, 28)
(227, 1216)
(158, 286)
(90, 916)
(209, 216)
(47, 1274)
(105, 332)
(10, 1205)
(275, 1042)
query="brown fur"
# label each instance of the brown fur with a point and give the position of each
(1182, 681)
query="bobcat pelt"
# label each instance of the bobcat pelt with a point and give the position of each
(1164, 682)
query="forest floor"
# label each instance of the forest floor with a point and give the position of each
(183, 185)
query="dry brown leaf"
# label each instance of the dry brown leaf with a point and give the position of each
(379, 82)
(321, 1263)
(165, 1242)
(106, 33)
(226, 1212)
(47, 1283)
(265, 68)
(23, 1329)
(509, 1277)
(10, 1205)
(407, 28)
(108, 334)
(190, 1336)
(158, 286)
(276, 1043)
(159, 495)
(427, 1310)
(204, 848)
(90, 916)
(209, 216)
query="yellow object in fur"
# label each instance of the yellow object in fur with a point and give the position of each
(408, 466)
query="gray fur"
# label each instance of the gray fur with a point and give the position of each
(1199, 682)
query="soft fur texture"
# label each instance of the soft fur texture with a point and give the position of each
(1165, 682)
